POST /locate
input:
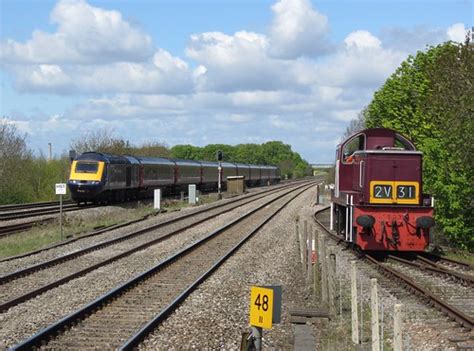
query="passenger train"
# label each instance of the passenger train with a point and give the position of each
(99, 177)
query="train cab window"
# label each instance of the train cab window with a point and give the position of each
(355, 144)
(402, 143)
(87, 167)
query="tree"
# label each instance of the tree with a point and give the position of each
(356, 125)
(151, 149)
(186, 152)
(430, 98)
(15, 161)
(101, 140)
(271, 153)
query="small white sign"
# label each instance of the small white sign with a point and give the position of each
(60, 188)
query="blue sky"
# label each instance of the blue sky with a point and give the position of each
(204, 72)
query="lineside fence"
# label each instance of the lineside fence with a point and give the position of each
(346, 295)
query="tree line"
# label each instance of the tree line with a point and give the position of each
(430, 99)
(26, 177)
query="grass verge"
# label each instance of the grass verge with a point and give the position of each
(48, 234)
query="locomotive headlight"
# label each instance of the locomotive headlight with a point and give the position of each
(425, 222)
(366, 221)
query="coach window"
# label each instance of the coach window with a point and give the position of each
(353, 145)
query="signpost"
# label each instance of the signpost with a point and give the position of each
(261, 307)
(265, 310)
(157, 199)
(192, 194)
(61, 190)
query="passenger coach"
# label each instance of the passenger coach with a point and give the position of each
(100, 177)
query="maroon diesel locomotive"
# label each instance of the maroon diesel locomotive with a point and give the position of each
(378, 201)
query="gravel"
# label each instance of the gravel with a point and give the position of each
(89, 215)
(22, 321)
(216, 314)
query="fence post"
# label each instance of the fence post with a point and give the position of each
(317, 195)
(332, 280)
(331, 220)
(355, 313)
(305, 245)
(316, 277)
(375, 315)
(381, 326)
(309, 250)
(324, 274)
(397, 328)
(300, 240)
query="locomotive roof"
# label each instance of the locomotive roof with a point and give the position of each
(100, 156)
(379, 137)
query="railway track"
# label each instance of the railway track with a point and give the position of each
(32, 205)
(23, 284)
(124, 316)
(442, 288)
(19, 227)
(429, 266)
(39, 211)
(121, 225)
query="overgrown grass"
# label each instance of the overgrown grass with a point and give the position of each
(48, 234)
(460, 255)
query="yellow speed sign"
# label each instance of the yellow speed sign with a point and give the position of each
(261, 307)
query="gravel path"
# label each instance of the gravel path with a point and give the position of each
(216, 314)
(23, 320)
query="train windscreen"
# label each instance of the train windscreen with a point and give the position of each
(87, 167)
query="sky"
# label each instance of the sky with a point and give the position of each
(208, 71)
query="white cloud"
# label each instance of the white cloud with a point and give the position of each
(229, 88)
(163, 74)
(85, 35)
(457, 32)
(362, 61)
(297, 29)
(362, 39)
(234, 62)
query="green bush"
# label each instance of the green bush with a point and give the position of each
(430, 99)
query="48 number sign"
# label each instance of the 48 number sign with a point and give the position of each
(263, 303)
(261, 307)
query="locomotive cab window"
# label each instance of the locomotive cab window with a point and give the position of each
(402, 143)
(355, 144)
(87, 167)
